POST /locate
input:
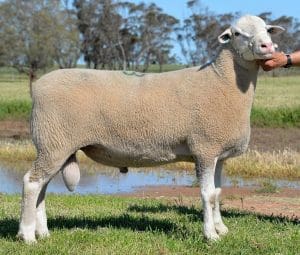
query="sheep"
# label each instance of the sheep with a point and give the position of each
(194, 115)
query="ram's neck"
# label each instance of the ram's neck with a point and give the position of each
(238, 82)
(239, 73)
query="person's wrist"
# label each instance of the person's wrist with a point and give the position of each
(288, 61)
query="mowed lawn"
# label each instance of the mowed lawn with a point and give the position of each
(96, 224)
(275, 92)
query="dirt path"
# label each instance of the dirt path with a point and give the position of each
(285, 203)
(270, 139)
(14, 129)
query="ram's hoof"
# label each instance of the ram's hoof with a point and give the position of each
(212, 236)
(29, 239)
(42, 234)
(221, 229)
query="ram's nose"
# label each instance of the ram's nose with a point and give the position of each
(267, 47)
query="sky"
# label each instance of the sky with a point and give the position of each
(178, 9)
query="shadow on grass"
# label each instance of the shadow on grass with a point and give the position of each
(160, 208)
(9, 226)
(137, 223)
(198, 214)
(275, 219)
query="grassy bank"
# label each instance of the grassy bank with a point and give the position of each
(277, 100)
(275, 117)
(15, 109)
(111, 225)
(278, 165)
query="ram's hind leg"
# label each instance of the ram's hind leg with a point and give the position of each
(33, 216)
(28, 208)
(41, 230)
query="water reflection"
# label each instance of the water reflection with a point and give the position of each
(110, 181)
(104, 181)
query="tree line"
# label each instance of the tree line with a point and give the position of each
(111, 34)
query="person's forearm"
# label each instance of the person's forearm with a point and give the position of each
(279, 59)
(295, 56)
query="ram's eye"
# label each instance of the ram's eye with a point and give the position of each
(236, 33)
(271, 30)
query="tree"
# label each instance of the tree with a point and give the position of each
(153, 30)
(99, 25)
(156, 30)
(67, 41)
(35, 34)
(198, 35)
(122, 35)
(28, 35)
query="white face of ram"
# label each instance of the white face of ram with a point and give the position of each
(251, 38)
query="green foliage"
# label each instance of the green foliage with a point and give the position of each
(277, 92)
(36, 34)
(96, 224)
(27, 34)
(267, 186)
(15, 109)
(118, 41)
(165, 68)
(278, 117)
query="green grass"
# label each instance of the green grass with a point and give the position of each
(96, 224)
(166, 68)
(276, 117)
(277, 92)
(15, 102)
(276, 104)
(15, 109)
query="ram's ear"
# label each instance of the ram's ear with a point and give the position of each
(225, 37)
(275, 30)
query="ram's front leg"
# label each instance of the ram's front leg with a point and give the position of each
(207, 187)
(219, 225)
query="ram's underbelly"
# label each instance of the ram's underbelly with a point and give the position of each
(136, 157)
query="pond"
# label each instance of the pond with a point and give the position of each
(106, 180)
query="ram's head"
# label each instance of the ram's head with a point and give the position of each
(250, 37)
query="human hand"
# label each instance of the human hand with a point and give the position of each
(278, 59)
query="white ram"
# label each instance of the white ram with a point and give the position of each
(201, 116)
